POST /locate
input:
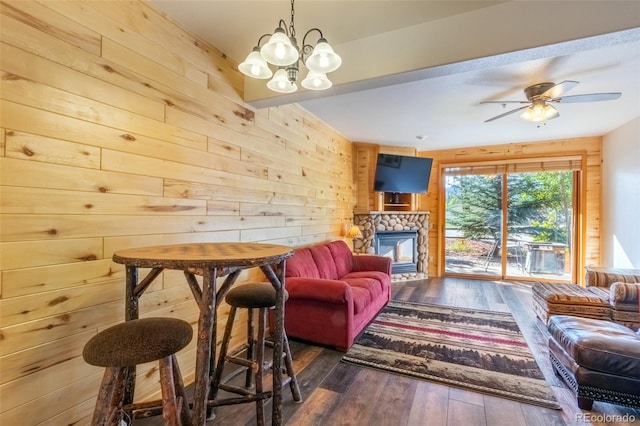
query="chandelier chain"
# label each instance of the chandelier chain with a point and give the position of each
(292, 28)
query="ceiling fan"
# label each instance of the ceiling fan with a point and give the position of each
(540, 95)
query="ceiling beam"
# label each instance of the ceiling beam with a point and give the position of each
(500, 34)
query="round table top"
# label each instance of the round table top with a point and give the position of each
(190, 255)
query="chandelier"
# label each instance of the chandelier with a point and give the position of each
(282, 51)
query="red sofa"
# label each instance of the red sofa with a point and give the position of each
(333, 294)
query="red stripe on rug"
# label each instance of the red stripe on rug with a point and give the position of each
(451, 333)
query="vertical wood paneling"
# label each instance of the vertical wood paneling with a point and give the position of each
(120, 129)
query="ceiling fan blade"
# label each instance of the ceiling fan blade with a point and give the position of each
(589, 97)
(506, 113)
(559, 89)
(505, 102)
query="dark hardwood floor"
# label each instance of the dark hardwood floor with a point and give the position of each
(336, 393)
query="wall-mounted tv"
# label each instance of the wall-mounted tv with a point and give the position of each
(402, 174)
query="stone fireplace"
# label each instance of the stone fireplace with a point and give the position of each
(375, 224)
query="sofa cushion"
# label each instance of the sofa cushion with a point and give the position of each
(372, 285)
(624, 295)
(604, 277)
(342, 257)
(361, 298)
(301, 264)
(569, 294)
(324, 261)
(378, 279)
(570, 299)
(320, 289)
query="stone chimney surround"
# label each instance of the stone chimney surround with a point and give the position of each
(375, 221)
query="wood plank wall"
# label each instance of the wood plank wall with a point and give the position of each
(120, 129)
(589, 148)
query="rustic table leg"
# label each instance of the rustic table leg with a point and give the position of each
(277, 279)
(131, 313)
(205, 346)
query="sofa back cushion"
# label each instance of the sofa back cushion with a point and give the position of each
(324, 261)
(604, 277)
(342, 257)
(301, 264)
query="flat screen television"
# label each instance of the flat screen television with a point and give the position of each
(402, 174)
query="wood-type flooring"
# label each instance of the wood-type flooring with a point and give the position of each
(336, 393)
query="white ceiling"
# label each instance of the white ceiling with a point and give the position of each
(440, 102)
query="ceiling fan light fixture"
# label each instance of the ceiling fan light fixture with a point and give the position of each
(539, 111)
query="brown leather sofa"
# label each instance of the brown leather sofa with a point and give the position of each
(598, 359)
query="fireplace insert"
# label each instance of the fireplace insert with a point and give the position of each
(401, 247)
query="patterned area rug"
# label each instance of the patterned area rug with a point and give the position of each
(482, 351)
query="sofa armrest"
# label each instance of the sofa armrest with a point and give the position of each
(323, 290)
(372, 263)
(623, 293)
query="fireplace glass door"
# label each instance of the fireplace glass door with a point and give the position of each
(401, 247)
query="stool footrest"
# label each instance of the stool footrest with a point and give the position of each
(243, 362)
(236, 389)
(143, 410)
(240, 399)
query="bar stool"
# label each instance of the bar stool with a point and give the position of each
(260, 297)
(136, 342)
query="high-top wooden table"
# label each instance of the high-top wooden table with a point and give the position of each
(212, 260)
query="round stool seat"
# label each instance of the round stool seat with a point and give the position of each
(253, 295)
(137, 341)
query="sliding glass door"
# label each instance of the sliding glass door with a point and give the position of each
(473, 224)
(510, 221)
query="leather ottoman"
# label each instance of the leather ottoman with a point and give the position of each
(570, 299)
(599, 360)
